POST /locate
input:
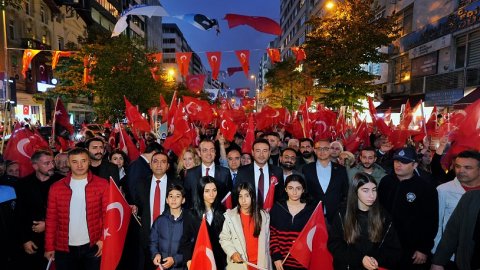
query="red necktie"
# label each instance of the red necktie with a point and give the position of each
(260, 188)
(206, 171)
(156, 202)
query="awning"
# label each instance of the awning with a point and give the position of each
(397, 102)
(468, 99)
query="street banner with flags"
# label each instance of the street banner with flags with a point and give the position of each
(202, 253)
(117, 218)
(269, 199)
(310, 248)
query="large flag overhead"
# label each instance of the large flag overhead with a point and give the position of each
(117, 218)
(200, 21)
(233, 70)
(144, 10)
(261, 24)
(310, 248)
(28, 55)
(214, 59)
(203, 257)
(274, 55)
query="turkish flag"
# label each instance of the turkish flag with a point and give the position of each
(214, 59)
(56, 56)
(269, 199)
(195, 82)
(274, 55)
(431, 125)
(202, 253)
(117, 218)
(155, 59)
(227, 200)
(244, 58)
(242, 92)
(358, 137)
(135, 119)
(112, 138)
(183, 133)
(299, 54)
(198, 110)
(183, 62)
(233, 70)
(261, 24)
(249, 137)
(26, 109)
(28, 55)
(227, 128)
(163, 109)
(61, 118)
(21, 146)
(126, 145)
(310, 247)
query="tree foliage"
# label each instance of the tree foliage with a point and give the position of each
(340, 42)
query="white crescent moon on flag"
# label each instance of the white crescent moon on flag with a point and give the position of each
(20, 147)
(118, 206)
(323, 124)
(211, 258)
(223, 122)
(462, 112)
(214, 58)
(310, 236)
(277, 113)
(187, 107)
(243, 56)
(183, 58)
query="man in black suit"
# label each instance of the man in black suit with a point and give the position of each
(139, 170)
(150, 201)
(326, 181)
(253, 173)
(207, 167)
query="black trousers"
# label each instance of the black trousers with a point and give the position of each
(79, 258)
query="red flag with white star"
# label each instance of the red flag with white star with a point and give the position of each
(183, 62)
(214, 59)
(117, 218)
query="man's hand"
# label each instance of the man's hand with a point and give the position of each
(157, 259)
(134, 209)
(49, 255)
(278, 264)
(419, 258)
(100, 246)
(436, 267)
(188, 264)
(169, 262)
(30, 247)
(236, 257)
(38, 226)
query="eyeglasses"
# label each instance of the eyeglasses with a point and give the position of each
(335, 148)
(322, 149)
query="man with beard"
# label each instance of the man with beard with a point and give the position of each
(367, 164)
(275, 142)
(32, 194)
(287, 162)
(100, 167)
(306, 151)
(61, 164)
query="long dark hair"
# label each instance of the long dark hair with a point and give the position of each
(254, 210)
(375, 216)
(305, 198)
(198, 202)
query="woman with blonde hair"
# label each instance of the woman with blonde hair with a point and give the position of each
(187, 160)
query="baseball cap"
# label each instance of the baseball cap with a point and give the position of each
(405, 155)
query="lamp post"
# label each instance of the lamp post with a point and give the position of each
(254, 78)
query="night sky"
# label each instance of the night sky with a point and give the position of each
(229, 40)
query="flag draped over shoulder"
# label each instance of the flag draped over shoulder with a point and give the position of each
(203, 257)
(261, 24)
(310, 248)
(117, 218)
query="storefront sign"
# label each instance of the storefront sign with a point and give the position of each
(425, 65)
(443, 97)
(78, 107)
(430, 47)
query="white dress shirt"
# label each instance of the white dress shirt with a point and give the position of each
(163, 194)
(266, 178)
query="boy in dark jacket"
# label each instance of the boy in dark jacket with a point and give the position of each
(167, 230)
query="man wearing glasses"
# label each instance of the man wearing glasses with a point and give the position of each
(326, 181)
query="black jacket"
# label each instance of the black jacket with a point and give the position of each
(349, 256)
(413, 204)
(106, 170)
(138, 172)
(336, 192)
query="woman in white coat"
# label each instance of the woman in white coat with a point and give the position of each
(245, 235)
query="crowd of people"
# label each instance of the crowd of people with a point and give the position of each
(384, 208)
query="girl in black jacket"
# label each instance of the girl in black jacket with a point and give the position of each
(361, 236)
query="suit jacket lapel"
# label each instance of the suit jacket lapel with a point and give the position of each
(318, 181)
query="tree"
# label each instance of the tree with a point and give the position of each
(340, 42)
(287, 85)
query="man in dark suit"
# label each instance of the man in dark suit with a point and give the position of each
(150, 201)
(326, 181)
(254, 172)
(207, 167)
(139, 170)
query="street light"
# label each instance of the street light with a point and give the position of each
(330, 5)
(254, 78)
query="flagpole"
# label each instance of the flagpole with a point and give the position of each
(423, 114)
(52, 138)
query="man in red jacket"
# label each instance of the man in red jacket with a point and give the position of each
(75, 213)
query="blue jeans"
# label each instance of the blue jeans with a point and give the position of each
(79, 258)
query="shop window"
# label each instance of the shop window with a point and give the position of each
(402, 68)
(405, 20)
